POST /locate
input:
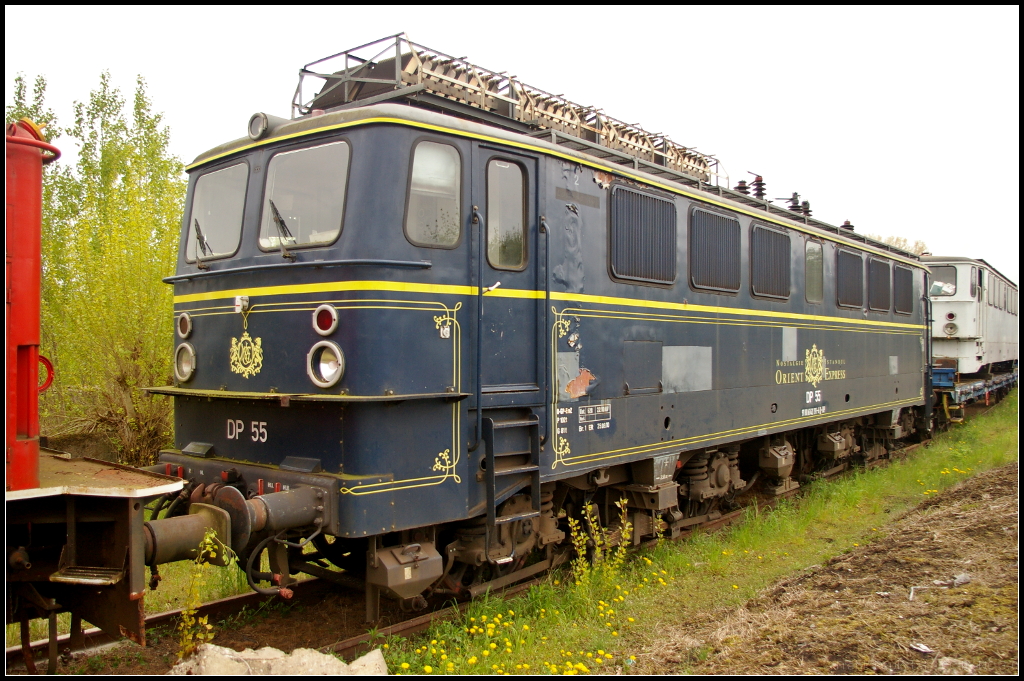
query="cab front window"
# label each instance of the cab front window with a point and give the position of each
(943, 280)
(304, 201)
(215, 222)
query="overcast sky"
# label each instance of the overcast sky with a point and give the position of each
(905, 121)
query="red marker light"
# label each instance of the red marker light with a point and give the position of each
(325, 320)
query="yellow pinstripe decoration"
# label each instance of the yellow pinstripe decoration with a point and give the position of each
(406, 287)
(736, 432)
(615, 170)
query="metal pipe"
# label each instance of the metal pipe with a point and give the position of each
(173, 539)
(300, 507)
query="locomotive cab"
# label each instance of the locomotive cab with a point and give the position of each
(974, 309)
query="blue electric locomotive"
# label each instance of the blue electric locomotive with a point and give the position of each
(453, 309)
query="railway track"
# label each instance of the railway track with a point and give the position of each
(313, 590)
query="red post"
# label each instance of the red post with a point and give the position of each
(25, 159)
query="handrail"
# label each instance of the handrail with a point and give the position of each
(545, 229)
(479, 220)
(353, 262)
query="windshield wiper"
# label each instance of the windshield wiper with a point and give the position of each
(201, 245)
(282, 230)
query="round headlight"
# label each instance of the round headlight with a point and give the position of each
(950, 329)
(184, 325)
(325, 320)
(325, 364)
(951, 316)
(259, 124)
(184, 362)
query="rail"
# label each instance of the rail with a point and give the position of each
(350, 647)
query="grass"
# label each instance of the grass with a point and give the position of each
(169, 595)
(601, 623)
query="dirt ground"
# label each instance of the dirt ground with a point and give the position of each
(850, 616)
(321, 618)
(854, 615)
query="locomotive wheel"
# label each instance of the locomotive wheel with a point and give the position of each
(347, 554)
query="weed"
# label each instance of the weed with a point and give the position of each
(193, 631)
(608, 603)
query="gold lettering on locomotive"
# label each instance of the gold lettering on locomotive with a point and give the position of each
(814, 365)
(246, 355)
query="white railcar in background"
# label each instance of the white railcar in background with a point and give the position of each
(975, 316)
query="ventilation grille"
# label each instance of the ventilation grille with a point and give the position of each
(643, 237)
(903, 279)
(714, 251)
(879, 297)
(769, 269)
(850, 279)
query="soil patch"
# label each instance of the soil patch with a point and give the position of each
(92, 445)
(327, 616)
(855, 615)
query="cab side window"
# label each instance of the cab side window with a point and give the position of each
(814, 278)
(433, 216)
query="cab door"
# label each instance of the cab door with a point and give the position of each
(505, 202)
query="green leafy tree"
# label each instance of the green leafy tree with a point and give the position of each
(109, 236)
(32, 107)
(917, 247)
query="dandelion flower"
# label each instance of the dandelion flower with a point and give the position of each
(405, 665)
(428, 668)
(735, 586)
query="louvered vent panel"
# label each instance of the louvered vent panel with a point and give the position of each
(643, 239)
(769, 271)
(714, 251)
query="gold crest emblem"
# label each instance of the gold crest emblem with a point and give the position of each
(246, 355)
(814, 365)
